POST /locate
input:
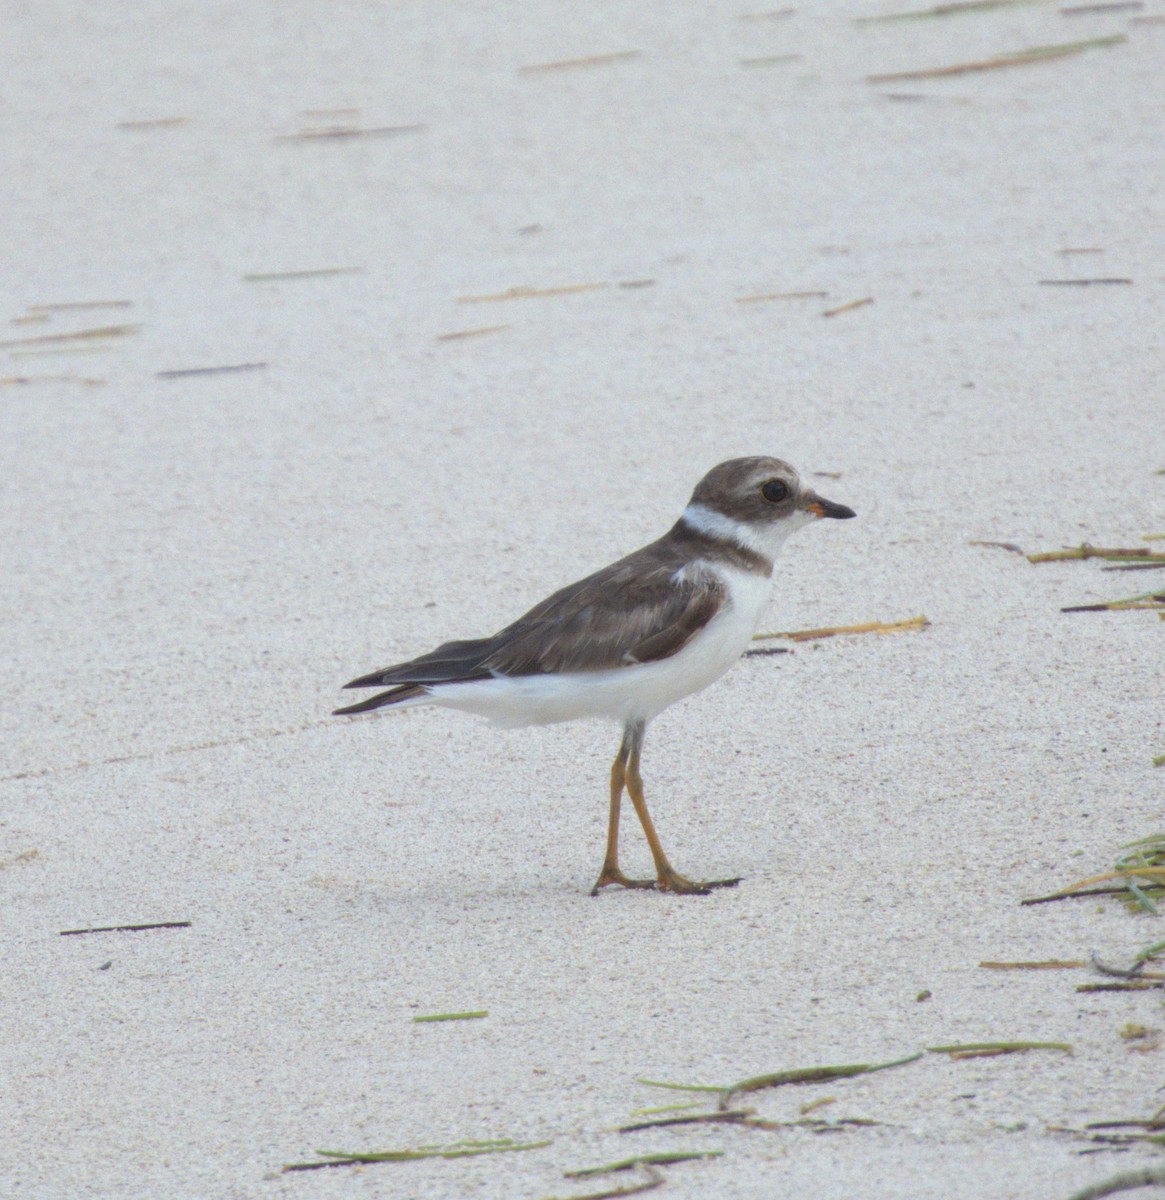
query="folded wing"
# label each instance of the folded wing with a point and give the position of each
(618, 617)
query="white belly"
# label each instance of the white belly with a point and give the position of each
(633, 693)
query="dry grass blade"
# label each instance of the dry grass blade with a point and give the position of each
(229, 369)
(101, 331)
(808, 635)
(1125, 1181)
(1020, 58)
(665, 1108)
(1130, 985)
(459, 335)
(79, 306)
(590, 60)
(1109, 1139)
(954, 9)
(731, 1117)
(1053, 964)
(653, 1180)
(850, 307)
(127, 928)
(1156, 873)
(346, 1158)
(1084, 550)
(681, 1087)
(801, 1075)
(155, 123)
(94, 347)
(1083, 282)
(1150, 952)
(530, 293)
(451, 1016)
(21, 380)
(1079, 10)
(761, 297)
(1067, 895)
(960, 1050)
(309, 273)
(1153, 1122)
(769, 60)
(959, 1055)
(1141, 871)
(1136, 971)
(1151, 601)
(348, 132)
(1146, 860)
(665, 1159)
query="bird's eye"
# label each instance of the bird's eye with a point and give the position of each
(775, 491)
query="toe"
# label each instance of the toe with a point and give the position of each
(613, 875)
(673, 882)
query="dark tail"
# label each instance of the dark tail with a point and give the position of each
(406, 691)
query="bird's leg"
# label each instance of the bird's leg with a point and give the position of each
(610, 872)
(670, 880)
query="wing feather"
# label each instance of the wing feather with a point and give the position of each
(641, 609)
(608, 622)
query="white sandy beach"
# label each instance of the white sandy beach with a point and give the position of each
(193, 564)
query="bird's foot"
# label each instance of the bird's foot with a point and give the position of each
(611, 874)
(672, 881)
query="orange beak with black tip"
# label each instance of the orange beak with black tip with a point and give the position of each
(820, 507)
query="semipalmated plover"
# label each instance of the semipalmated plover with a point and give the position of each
(629, 640)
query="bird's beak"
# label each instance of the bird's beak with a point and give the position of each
(820, 507)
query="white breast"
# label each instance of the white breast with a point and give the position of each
(633, 693)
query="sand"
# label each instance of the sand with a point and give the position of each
(193, 564)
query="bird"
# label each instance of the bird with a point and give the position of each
(629, 640)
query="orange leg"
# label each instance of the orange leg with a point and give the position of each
(611, 872)
(625, 773)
